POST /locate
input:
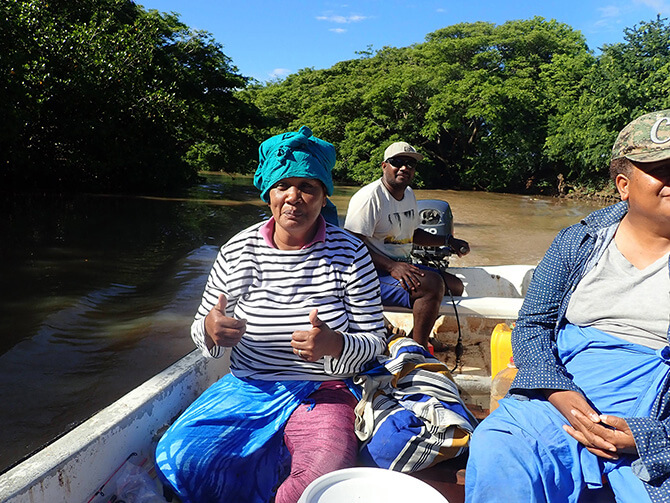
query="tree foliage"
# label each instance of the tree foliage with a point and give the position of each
(102, 95)
(626, 81)
(508, 107)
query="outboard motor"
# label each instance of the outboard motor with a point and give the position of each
(436, 218)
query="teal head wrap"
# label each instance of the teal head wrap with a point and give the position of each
(294, 154)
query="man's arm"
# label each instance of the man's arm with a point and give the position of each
(407, 274)
(380, 261)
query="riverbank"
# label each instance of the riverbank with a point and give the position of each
(605, 195)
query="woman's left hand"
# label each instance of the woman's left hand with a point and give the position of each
(611, 429)
(318, 341)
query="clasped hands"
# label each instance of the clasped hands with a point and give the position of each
(605, 436)
(310, 345)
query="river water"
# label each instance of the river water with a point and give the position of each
(97, 293)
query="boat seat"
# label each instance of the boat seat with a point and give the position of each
(504, 308)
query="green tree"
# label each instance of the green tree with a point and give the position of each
(103, 95)
(473, 98)
(627, 80)
(490, 118)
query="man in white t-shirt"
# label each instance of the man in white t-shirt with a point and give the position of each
(384, 214)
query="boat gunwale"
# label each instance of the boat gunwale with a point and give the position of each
(57, 472)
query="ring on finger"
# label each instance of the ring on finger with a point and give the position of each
(300, 353)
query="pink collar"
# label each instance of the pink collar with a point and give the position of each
(268, 229)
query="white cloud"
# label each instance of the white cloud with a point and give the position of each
(338, 30)
(354, 18)
(659, 6)
(612, 16)
(440, 9)
(278, 73)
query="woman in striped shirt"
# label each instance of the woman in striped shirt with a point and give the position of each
(296, 299)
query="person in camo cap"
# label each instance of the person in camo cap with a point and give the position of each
(589, 410)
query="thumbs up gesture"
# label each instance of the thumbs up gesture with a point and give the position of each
(223, 330)
(314, 318)
(318, 341)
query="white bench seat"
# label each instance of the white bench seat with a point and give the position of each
(506, 308)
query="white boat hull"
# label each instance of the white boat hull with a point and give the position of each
(493, 295)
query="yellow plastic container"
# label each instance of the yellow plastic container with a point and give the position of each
(501, 348)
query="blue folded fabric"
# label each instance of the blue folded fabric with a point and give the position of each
(229, 444)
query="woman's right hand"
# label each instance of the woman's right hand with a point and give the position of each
(223, 330)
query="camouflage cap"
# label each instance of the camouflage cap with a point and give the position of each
(646, 139)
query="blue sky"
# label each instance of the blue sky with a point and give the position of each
(269, 39)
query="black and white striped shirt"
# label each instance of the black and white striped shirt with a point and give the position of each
(275, 290)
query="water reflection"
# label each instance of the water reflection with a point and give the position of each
(97, 293)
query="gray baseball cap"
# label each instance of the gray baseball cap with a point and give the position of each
(646, 139)
(401, 148)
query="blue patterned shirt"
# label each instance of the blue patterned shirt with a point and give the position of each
(573, 253)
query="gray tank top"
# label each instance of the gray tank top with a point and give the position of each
(624, 301)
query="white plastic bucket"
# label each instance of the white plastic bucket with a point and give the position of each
(369, 485)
